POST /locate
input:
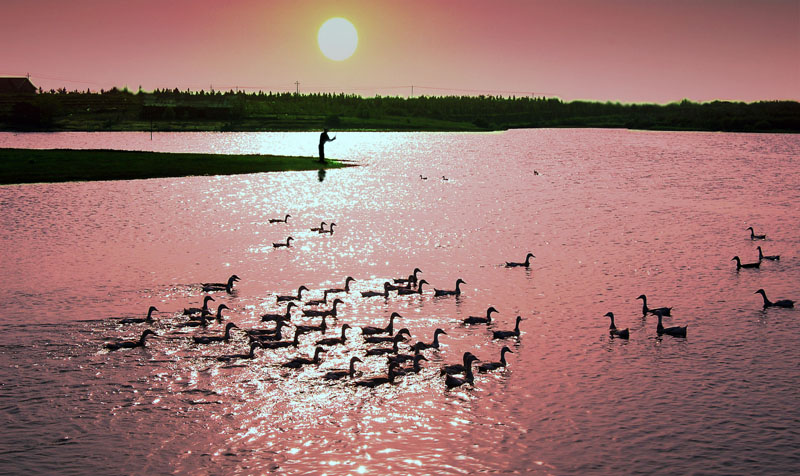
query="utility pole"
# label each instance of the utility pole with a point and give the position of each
(297, 87)
(412, 90)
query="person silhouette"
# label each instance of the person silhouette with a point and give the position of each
(323, 138)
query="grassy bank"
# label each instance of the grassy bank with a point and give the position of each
(60, 165)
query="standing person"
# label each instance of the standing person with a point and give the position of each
(323, 138)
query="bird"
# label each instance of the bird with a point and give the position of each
(299, 296)
(129, 344)
(340, 374)
(202, 321)
(248, 356)
(381, 339)
(318, 302)
(670, 331)
(298, 362)
(218, 315)
(335, 340)
(318, 228)
(211, 339)
(613, 331)
(422, 178)
(397, 287)
(445, 178)
(283, 343)
(198, 310)
(481, 320)
(323, 312)
(288, 243)
(646, 310)
(452, 369)
(762, 256)
(370, 330)
(451, 381)
(753, 235)
(345, 289)
(487, 366)
(526, 263)
(376, 381)
(329, 230)
(415, 367)
(411, 278)
(781, 303)
(448, 292)
(433, 345)
(387, 350)
(139, 320)
(400, 358)
(740, 265)
(280, 317)
(267, 334)
(406, 292)
(507, 334)
(280, 220)
(385, 292)
(227, 287)
(305, 329)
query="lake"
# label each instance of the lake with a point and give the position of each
(608, 214)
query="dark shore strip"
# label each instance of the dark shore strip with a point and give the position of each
(67, 165)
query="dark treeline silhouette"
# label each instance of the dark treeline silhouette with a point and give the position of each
(173, 109)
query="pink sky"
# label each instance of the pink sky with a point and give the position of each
(605, 50)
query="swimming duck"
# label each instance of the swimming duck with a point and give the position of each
(781, 303)
(739, 264)
(526, 263)
(613, 331)
(329, 230)
(227, 287)
(452, 381)
(198, 310)
(507, 334)
(345, 289)
(387, 350)
(288, 243)
(298, 362)
(448, 292)
(211, 339)
(385, 293)
(453, 369)
(400, 358)
(340, 374)
(481, 320)
(762, 256)
(376, 381)
(267, 334)
(670, 331)
(397, 287)
(305, 329)
(283, 343)
(381, 339)
(753, 235)
(139, 320)
(299, 296)
(318, 302)
(280, 317)
(422, 178)
(433, 345)
(665, 311)
(445, 178)
(415, 367)
(249, 356)
(488, 366)
(130, 344)
(279, 220)
(323, 312)
(406, 292)
(218, 315)
(335, 340)
(318, 228)
(370, 330)
(411, 278)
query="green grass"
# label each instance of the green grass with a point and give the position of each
(62, 165)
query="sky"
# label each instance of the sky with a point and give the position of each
(656, 51)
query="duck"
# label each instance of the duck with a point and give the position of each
(453, 369)
(422, 178)
(397, 287)
(318, 228)
(138, 320)
(299, 296)
(762, 256)
(411, 278)
(508, 334)
(318, 302)
(340, 374)
(267, 334)
(377, 381)
(445, 178)
(198, 310)
(323, 312)
(345, 289)
(298, 362)
(646, 310)
(248, 356)
(227, 287)
(305, 329)
(753, 235)
(211, 339)
(280, 220)
(370, 330)
(481, 320)
(202, 320)
(415, 366)
(335, 340)
(407, 292)
(786, 303)
(448, 292)
(613, 331)
(218, 316)
(433, 345)
(329, 230)
(387, 350)
(381, 339)
(129, 344)
(740, 265)
(526, 263)
(280, 317)
(288, 243)
(488, 366)
(282, 343)
(451, 381)
(385, 293)
(670, 331)
(400, 358)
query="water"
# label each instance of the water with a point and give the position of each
(611, 215)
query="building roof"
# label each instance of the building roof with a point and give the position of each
(21, 85)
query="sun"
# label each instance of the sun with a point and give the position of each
(337, 39)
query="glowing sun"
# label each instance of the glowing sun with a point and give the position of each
(337, 39)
